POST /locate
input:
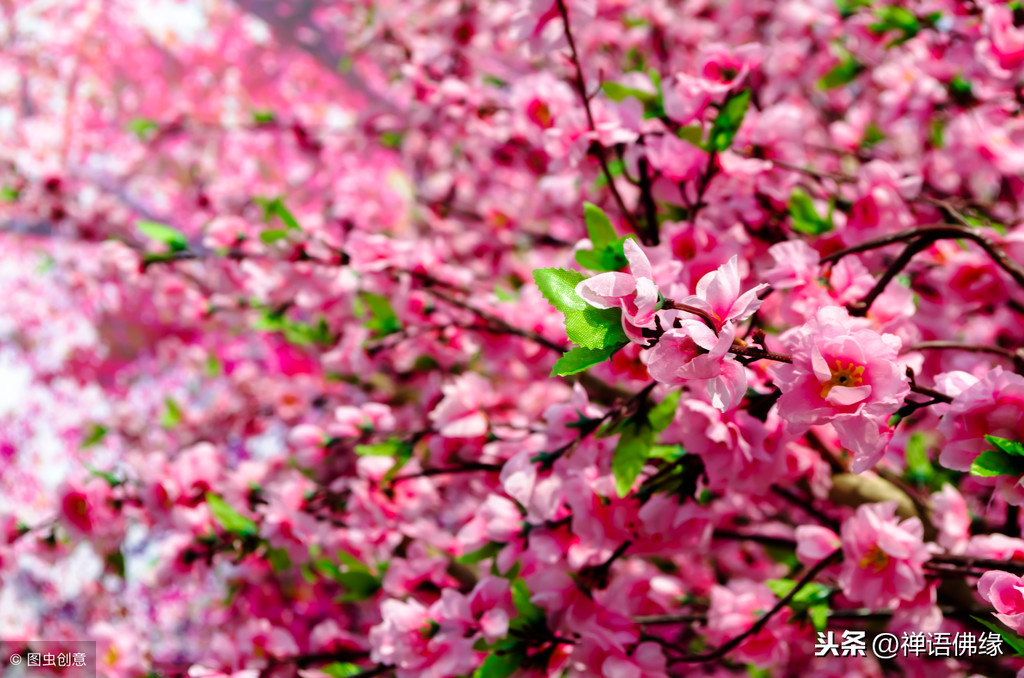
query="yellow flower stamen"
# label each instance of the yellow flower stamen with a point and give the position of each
(849, 375)
(875, 558)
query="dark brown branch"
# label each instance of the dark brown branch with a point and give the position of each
(596, 148)
(756, 628)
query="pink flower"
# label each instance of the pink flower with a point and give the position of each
(694, 351)
(1006, 593)
(949, 514)
(882, 557)
(992, 405)
(635, 292)
(1006, 42)
(843, 373)
(718, 293)
(815, 543)
(735, 608)
(461, 413)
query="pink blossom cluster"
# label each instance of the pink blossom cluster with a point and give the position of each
(520, 338)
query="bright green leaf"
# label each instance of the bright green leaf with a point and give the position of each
(171, 237)
(599, 226)
(383, 320)
(341, 669)
(636, 437)
(578, 359)
(585, 325)
(1010, 638)
(171, 416)
(819, 616)
(142, 128)
(502, 664)
(804, 217)
(919, 467)
(94, 435)
(664, 412)
(228, 518)
(729, 119)
(273, 235)
(488, 550)
(994, 463)
(358, 585)
(1011, 447)
(529, 614)
(845, 72)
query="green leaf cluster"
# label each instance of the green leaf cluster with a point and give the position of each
(1007, 459)
(294, 332)
(810, 602)
(898, 19)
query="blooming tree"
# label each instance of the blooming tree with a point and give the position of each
(530, 337)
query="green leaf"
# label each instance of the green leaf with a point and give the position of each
(391, 139)
(9, 194)
(819, 616)
(341, 669)
(578, 359)
(276, 208)
(502, 664)
(279, 560)
(812, 593)
(618, 92)
(263, 117)
(845, 72)
(667, 452)
(781, 587)
(171, 237)
(804, 217)
(1011, 447)
(143, 128)
(727, 122)
(171, 416)
(599, 226)
(228, 518)
(848, 7)
(358, 585)
(94, 435)
(896, 18)
(585, 325)
(961, 92)
(919, 467)
(388, 448)
(272, 235)
(383, 320)
(1010, 638)
(993, 463)
(636, 438)
(664, 412)
(488, 550)
(528, 613)
(693, 134)
(111, 479)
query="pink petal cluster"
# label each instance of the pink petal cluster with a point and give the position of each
(882, 556)
(691, 350)
(734, 609)
(1005, 592)
(846, 374)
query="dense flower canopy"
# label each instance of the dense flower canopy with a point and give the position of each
(429, 338)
